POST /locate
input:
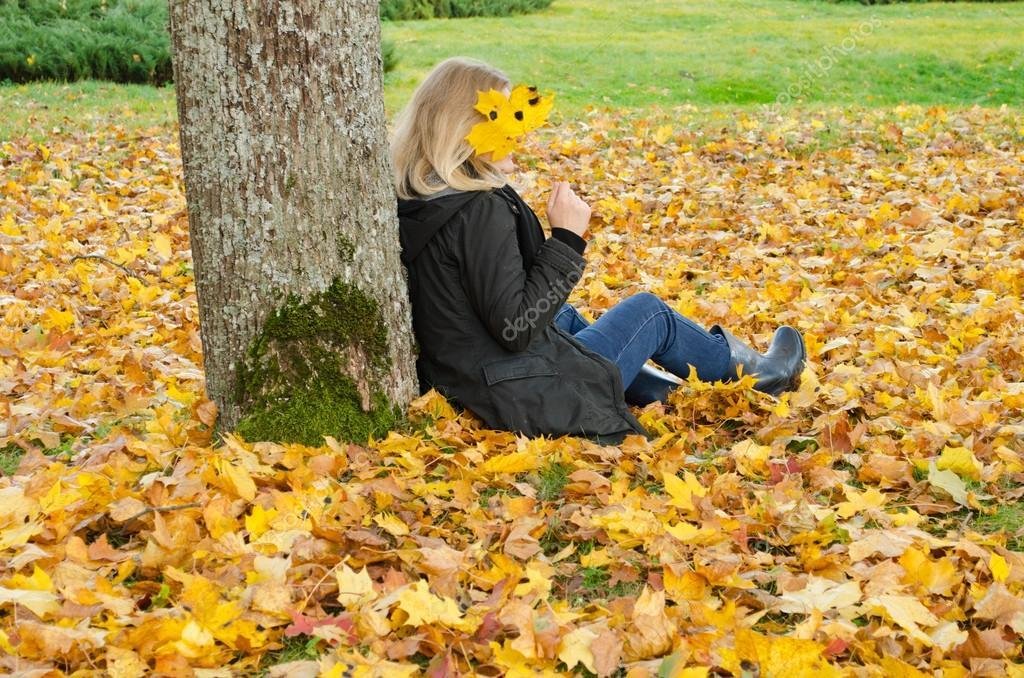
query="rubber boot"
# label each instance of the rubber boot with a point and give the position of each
(778, 369)
(651, 384)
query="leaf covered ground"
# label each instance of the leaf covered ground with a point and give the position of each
(866, 525)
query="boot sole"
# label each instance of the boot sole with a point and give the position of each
(794, 383)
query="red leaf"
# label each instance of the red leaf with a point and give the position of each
(836, 647)
(442, 666)
(303, 625)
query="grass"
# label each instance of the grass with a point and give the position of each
(11, 453)
(10, 458)
(296, 648)
(1008, 518)
(551, 480)
(40, 109)
(592, 583)
(640, 53)
(634, 53)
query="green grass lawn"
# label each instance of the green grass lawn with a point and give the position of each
(640, 53)
(39, 109)
(633, 53)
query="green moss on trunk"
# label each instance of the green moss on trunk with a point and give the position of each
(310, 413)
(301, 376)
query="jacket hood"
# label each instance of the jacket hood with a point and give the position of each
(419, 220)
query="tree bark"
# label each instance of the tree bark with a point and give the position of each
(292, 218)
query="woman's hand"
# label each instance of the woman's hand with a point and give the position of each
(567, 210)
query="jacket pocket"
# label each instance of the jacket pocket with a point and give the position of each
(529, 394)
(518, 367)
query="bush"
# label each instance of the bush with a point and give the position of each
(396, 10)
(117, 40)
(898, 2)
(387, 50)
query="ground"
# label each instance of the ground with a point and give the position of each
(865, 525)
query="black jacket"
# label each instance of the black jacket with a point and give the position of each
(484, 286)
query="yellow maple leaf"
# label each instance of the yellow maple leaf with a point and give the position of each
(433, 404)
(860, 501)
(38, 581)
(684, 532)
(782, 409)
(674, 666)
(354, 587)
(662, 134)
(123, 663)
(34, 592)
(949, 482)
(907, 516)
(777, 656)
(960, 461)
(514, 662)
(574, 648)
(391, 524)
(196, 641)
(651, 632)
(682, 490)
(258, 522)
(42, 603)
(529, 107)
(686, 586)
(8, 225)
(820, 594)
(213, 614)
(236, 478)
(751, 459)
(5, 643)
(516, 462)
(162, 245)
(184, 397)
(628, 526)
(907, 612)
(59, 320)
(896, 668)
(998, 566)
(691, 534)
(596, 558)
(934, 576)
(425, 608)
(538, 579)
(507, 119)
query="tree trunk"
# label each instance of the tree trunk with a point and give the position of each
(303, 308)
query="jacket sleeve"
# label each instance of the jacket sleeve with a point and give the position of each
(514, 305)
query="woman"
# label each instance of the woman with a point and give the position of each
(488, 290)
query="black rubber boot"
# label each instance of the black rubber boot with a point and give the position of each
(778, 369)
(651, 384)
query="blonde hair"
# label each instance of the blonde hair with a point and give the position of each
(429, 150)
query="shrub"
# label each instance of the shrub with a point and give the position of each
(395, 10)
(117, 40)
(387, 50)
(898, 2)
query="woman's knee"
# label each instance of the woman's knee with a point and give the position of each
(645, 301)
(569, 319)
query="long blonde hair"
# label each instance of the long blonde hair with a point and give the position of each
(428, 149)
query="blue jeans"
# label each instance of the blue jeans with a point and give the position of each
(643, 327)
